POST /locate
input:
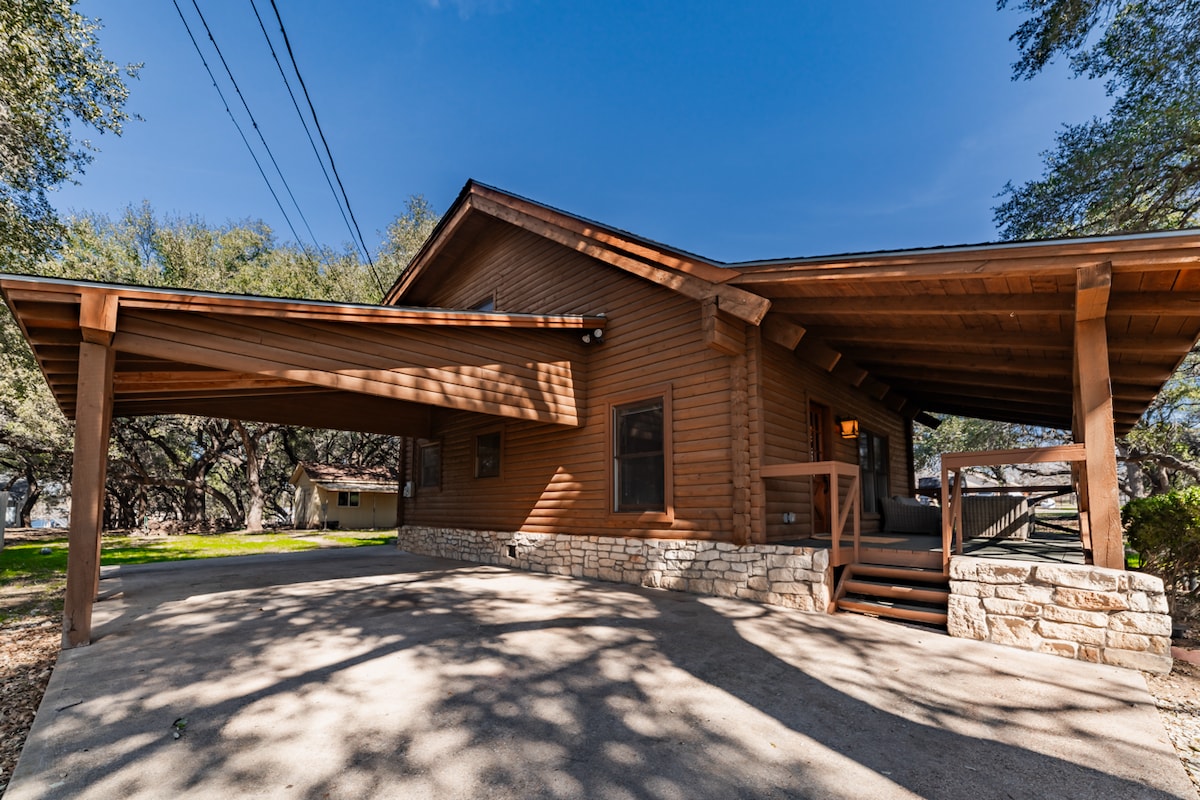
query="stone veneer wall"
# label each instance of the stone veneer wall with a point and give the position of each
(793, 577)
(1088, 613)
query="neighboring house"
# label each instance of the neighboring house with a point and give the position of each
(584, 401)
(340, 496)
(14, 500)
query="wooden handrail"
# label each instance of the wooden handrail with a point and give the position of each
(952, 491)
(840, 513)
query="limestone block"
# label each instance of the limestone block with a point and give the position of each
(1075, 616)
(1065, 631)
(610, 574)
(1014, 632)
(789, 587)
(741, 569)
(1160, 645)
(718, 564)
(1090, 600)
(802, 560)
(1146, 662)
(758, 583)
(725, 588)
(725, 547)
(972, 589)
(1090, 653)
(989, 571)
(778, 562)
(1128, 641)
(1148, 602)
(1138, 622)
(1064, 649)
(820, 560)
(746, 593)
(966, 618)
(698, 586)
(1142, 582)
(781, 574)
(810, 576)
(1011, 608)
(1025, 591)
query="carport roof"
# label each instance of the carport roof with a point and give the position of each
(373, 368)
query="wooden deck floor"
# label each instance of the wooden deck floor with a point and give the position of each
(1043, 546)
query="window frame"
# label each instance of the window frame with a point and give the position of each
(431, 445)
(353, 499)
(476, 471)
(666, 514)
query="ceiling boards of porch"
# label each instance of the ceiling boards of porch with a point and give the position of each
(988, 331)
(294, 362)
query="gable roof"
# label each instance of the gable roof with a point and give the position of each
(979, 330)
(346, 478)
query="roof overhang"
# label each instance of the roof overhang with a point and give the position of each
(988, 330)
(371, 368)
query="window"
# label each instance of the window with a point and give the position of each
(486, 304)
(429, 465)
(348, 499)
(873, 465)
(639, 457)
(487, 454)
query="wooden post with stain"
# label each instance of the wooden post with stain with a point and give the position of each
(93, 422)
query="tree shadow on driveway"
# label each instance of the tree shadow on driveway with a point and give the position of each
(374, 673)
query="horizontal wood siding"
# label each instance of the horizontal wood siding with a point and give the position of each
(556, 479)
(788, 386)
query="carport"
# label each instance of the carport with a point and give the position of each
(111, 350)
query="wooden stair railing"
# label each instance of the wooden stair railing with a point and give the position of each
(955, 463)
(842, 509)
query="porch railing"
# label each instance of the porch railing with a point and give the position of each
(842, 509)
(952, 490)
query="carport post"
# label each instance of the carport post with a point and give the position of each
(93, 422)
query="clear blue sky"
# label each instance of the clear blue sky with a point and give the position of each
(735, 130)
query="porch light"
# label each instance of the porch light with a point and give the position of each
(848, 427)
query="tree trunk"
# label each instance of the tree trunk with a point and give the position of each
(33, 491)
(254, 490)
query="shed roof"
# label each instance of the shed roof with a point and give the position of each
(347, 478)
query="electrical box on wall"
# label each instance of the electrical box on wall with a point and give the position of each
(408, 489)
(789, 517)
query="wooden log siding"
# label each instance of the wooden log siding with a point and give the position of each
(788, 386)
(556, 480)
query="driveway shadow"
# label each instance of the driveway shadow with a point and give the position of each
(373, 673)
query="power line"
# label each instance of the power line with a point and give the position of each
(237, 125)
(254, 122)
(303, 121)
(287, 42)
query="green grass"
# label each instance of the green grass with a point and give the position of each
(25, 561)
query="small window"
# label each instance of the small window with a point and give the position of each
(348, 499)
(487, 454)
(486, 304)
(639, 463)
(873, 465)
(430, 465)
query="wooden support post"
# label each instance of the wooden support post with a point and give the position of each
(93, 421)
(1094, 417)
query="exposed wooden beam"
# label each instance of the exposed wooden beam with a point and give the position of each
(719, 331)
(1160, 304)
(778, 330)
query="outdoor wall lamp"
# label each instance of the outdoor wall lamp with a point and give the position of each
(848, 427)
(595, 336)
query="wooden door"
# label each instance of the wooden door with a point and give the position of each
(820, 431)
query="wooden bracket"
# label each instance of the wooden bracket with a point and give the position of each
(720, 333)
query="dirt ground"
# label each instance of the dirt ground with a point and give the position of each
(29, 647)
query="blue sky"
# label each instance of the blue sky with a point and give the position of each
(735, 130)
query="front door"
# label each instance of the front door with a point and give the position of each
(820, 429)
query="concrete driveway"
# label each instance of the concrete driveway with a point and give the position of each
(370, 673)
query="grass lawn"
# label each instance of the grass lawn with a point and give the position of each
(33, 571)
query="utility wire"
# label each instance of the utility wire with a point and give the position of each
(228, 111)
(362, 242)
(303, 121)
(254, 122)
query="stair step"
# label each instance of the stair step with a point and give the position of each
(915, 574)
(898, 591)
(893, 610)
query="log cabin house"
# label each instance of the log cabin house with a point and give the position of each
(584, 401)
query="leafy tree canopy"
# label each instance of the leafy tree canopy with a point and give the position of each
(52, 74)
(1138, 168)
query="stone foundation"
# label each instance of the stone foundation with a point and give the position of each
(792, 577)
(1088, 613)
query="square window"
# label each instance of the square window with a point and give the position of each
(639, 457)
(348, 499)
(430, 465)
(487, 454)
